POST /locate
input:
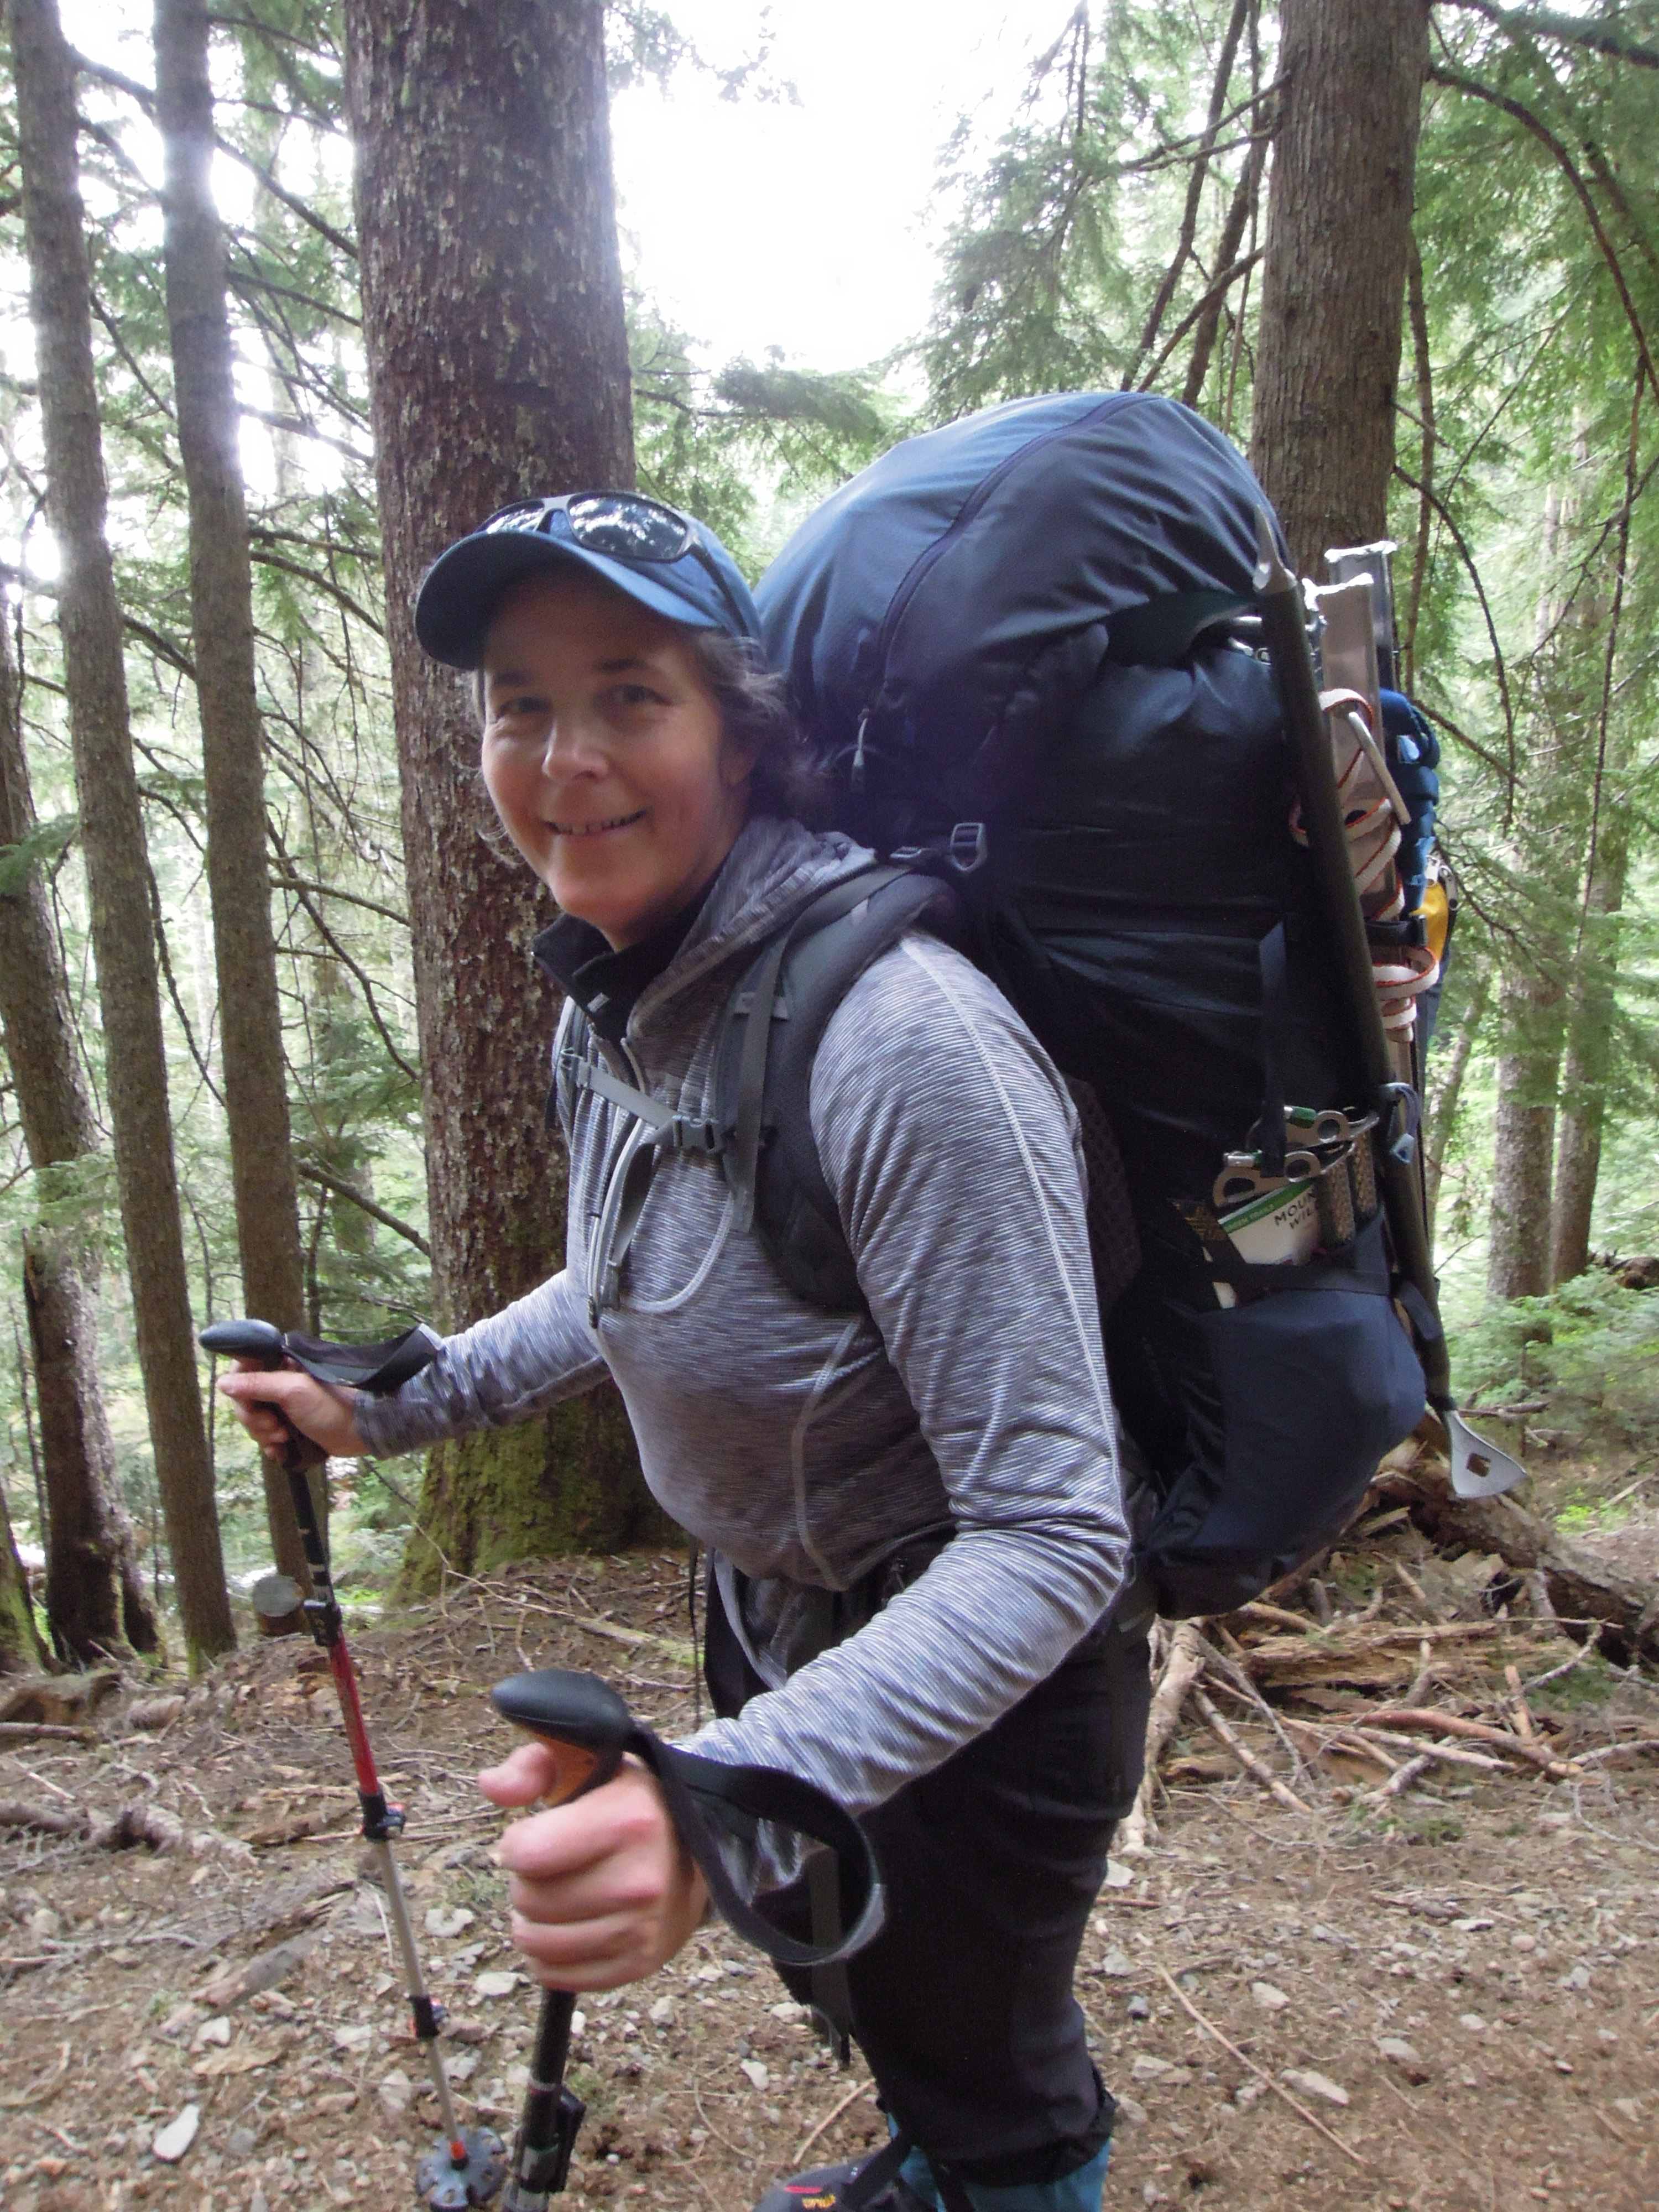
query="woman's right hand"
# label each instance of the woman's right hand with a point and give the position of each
(317, 1410)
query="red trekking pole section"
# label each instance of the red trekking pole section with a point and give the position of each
(467, 2165)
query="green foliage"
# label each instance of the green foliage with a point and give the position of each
(1590, 1350)
(1104, 233)
(1054, 270)
(750, 447)
(48, 842)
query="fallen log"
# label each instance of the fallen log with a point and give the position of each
(41, 1819)
(57, 1700)
(1580, 1587)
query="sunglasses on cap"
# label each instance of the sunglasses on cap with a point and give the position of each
(622, 525)
(619, 526)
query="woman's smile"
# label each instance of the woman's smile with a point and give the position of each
(595, 829)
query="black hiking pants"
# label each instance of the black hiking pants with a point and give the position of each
(962, 2005)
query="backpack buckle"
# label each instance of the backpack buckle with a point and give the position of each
(685, 1135)
(967, 849)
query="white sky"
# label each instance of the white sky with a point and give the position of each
(757, 225)
(804, 225)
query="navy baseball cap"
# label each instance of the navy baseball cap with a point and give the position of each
(663, 559)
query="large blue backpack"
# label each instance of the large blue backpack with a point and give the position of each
(1021, 645)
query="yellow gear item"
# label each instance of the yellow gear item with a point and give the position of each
(1435, 911)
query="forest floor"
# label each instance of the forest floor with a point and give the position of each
(1457, 1987)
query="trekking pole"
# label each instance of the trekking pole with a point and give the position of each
(1479, 1469)
(588, 1728)
(465, 2166)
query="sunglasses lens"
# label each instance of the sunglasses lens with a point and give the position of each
(627, 529)
(523, 514)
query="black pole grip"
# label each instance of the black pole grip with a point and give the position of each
(587, 1727)
(246, 1340)
(577, 1716)
(264, 1342)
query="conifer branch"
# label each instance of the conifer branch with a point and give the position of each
(1564, 30)
(1457, 82)
(1499, 665)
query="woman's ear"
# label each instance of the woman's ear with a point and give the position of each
(737, 763)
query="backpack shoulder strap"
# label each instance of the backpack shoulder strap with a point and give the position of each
(571, 1043)
(771, 1031)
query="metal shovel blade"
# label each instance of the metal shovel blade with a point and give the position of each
(1478, 1469)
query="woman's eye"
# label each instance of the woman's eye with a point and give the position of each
(634, 696)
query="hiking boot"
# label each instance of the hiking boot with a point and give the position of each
(824, 2189)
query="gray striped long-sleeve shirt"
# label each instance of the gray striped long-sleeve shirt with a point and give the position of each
(803, 1447)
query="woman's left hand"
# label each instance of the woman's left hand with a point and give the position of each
(601, 1889)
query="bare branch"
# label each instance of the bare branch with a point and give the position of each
(1200, 170)
(327, 1179)
(349, 898)
(352, 966)
(1222, 284)
(1241, 214)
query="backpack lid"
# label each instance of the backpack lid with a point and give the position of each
(958, 588)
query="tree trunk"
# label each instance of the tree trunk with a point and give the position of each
(111, 822)
(95, 1599)
(1524, 1135)
(1333, 283)
(1448, 1093)
(22, 1652)
(1595, 954)
(1590, 1049)
(498, 364)
(233, 761)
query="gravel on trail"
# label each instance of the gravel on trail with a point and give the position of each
(1463, 2010)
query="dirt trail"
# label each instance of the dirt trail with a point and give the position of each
(1462, 1990)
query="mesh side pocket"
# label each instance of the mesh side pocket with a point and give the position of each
(1114, 1241)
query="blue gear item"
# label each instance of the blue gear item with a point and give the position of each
(1414, 753)
(701, 586)
(1012, 644)
(1079, 2191)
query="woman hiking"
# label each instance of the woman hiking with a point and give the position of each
(912, 1510)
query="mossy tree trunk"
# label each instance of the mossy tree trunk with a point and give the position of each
(498, 363)
(22, 1652)
(569, 1482)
